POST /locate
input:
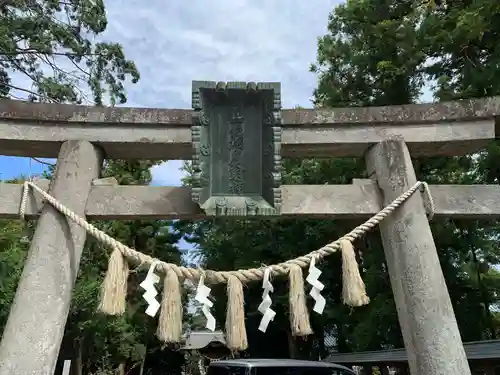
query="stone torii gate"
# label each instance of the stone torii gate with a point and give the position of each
(241, 131)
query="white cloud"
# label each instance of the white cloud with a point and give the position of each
(168, 173)
(174, 42)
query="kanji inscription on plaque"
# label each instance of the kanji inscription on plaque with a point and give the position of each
(236, 135)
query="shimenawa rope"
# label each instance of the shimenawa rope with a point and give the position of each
(253, 274)
(113, 289)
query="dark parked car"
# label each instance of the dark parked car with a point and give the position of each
(275, 367)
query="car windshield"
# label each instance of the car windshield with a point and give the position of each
(278, 370)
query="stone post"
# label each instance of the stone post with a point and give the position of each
(35, 327)
(426, 316)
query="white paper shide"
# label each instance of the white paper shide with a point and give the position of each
(202, 293)
(150, 295)
(317, 287)
(264, 308)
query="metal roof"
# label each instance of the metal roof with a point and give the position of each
(475, 350)
(201, 339)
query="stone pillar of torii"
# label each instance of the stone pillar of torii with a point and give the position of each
(80, 137)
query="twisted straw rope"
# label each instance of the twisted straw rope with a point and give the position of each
(214, 277)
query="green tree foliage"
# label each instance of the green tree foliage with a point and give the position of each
(51, 46)
(370, 55)
(12, 255)
(101, 342)
(377, 53)
(460, 37)
(49, 52)
(356, 67)
(108, 341)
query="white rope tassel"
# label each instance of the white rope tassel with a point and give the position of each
(264, 308)
(149, 286)
(202, 293)
(317, 287)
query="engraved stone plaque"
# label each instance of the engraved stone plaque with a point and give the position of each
(236, 135)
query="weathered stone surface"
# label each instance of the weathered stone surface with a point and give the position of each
(462, 110)
(466, 109)
(358, 201)
(430, 331)
(165, 134)
(35, 327)
(21, 110)
(236, 137)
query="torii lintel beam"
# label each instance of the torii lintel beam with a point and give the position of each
(446, 128)
(357, 201)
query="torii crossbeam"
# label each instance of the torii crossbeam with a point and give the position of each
(81, 136)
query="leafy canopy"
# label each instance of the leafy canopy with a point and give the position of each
(49, 52)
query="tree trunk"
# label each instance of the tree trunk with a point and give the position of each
(143, 362)
(77, 364)
(291, 345)
(320, 334)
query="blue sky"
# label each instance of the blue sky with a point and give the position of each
(174, 42)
